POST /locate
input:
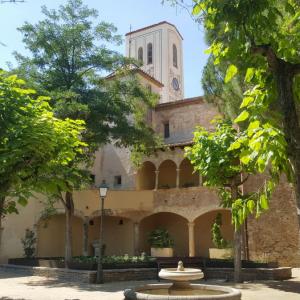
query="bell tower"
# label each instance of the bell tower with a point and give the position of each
(159, 48)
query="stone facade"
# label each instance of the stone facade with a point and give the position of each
(274, 236)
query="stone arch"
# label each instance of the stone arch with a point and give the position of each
(174, 223)
(203, 223)
(167, 174)
(118, 234)
(187, 177)
(146, 176)
(51, 235)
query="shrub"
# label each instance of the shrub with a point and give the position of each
(217, 237)
(29, 242)
(160, 238)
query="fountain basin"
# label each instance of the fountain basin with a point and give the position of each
(174, 274)
(193, 292)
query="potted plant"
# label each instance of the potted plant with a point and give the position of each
(223, 249)
(29, 243)
(161, 243)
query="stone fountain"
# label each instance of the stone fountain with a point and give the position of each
(181, 288)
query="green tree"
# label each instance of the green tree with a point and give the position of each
(70, 56)
(228, 97)
(261, 40)
(32, 142)
(224, 159)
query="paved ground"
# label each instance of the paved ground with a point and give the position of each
(18, 287)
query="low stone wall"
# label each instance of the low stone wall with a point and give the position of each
(249, 274)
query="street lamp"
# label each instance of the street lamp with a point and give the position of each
(102, 191)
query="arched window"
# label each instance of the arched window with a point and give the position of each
(140, 55)
(149, 54)
(175, 56)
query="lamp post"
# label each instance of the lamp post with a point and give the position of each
(102, 191)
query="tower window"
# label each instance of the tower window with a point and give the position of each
(149, 54)
(140, 55)
(118, 180)
(175, 64)
(166, 130)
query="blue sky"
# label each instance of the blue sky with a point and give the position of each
(123, 13)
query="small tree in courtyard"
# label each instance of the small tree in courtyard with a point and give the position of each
(225, 156)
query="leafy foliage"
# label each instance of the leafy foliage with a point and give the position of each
(223, 155)
(29, 243)
(32, 142)
(217, 237)
(160, 238)
(69, 58)
(259, 41)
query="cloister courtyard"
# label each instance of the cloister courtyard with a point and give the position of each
(157, 161)
(21, 287)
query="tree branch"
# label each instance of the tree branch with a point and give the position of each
(268, 52)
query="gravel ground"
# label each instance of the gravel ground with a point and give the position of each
(19, 287)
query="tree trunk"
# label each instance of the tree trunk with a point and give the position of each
(237, 239)
(238, 255)
(2, 200)
(68, 238)
(285, 79)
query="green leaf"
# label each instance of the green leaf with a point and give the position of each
(246, 101)
(264, 202)
(254, 125)
(230, 73)
(251, 205)
(196, 10)
(244, 115)
(249, 74)
(245, 159)
(234, 146)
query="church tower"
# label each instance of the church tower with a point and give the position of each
(159, 48)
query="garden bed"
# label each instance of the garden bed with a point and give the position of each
(87, 263)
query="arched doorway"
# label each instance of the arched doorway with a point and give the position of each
(146, 176)
(167, 174)
(51, 236)
(117, 235)
(176, 226)
(187, 178)
(203, 237)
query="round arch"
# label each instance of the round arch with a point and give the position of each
(146, 176)
(174, 223)
(186, 176)
(51, 236)
(118, 234)
(203, 223)
(167, 174)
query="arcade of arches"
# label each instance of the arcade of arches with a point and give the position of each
(125, 236)
(167, 175)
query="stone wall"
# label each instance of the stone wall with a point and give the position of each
(274, 236)
(142, 274)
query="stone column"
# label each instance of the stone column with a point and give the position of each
(177, 178)
(156, 179)
(136, 237)
(191, 226)
(86, 236)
